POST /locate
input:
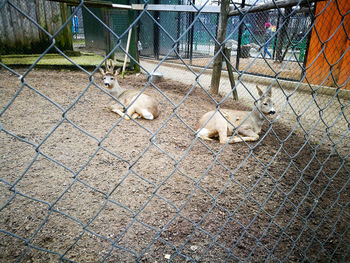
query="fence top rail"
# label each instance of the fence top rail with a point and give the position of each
(190, 8)
(177, 8)
(150, 7)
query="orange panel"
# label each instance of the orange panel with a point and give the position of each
(326, 62)
(344, 68)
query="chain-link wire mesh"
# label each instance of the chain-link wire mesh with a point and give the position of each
(199, 49)
(80, 183)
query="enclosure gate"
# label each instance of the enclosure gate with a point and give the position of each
(82, 184)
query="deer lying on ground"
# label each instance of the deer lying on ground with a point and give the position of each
(143, 107)
(249, 126)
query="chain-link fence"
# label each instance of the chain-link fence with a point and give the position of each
(79, 183)
(197, 45)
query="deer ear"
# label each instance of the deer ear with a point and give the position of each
(117, 71)
(109, 65)
(269, 93)
(102, 71)
(260, 92)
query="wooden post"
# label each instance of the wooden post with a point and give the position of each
(127, 51)
(106, 19)
(137, 68)
(227, 53)
(221, 34)
(133, 51)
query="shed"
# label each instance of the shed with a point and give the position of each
(99, 38)
(21, 36)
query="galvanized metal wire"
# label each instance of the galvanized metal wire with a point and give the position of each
(328, 128)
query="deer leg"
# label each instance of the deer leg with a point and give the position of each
(223, 134)
(204, 135)
(121, 114)
(205, 138)
(115, 108)
(248, 135)
(135, 115)
(131, 112)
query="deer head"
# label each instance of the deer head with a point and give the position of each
(109, 76)
(266, 103)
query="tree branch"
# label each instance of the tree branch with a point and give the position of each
(271, 5)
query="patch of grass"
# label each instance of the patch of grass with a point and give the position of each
(78, 41)
(86, 60)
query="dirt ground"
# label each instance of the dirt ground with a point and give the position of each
(82, 185)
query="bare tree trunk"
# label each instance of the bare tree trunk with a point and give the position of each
(287, 47)
(283, 34)
(227, 52)
(267, 6)
(221, 34)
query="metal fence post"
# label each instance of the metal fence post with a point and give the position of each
(191, 32)
(239, 42)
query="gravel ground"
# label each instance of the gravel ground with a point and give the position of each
(78, 183)
(291, 70)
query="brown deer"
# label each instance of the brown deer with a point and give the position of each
(222, 124)
(143, 107)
